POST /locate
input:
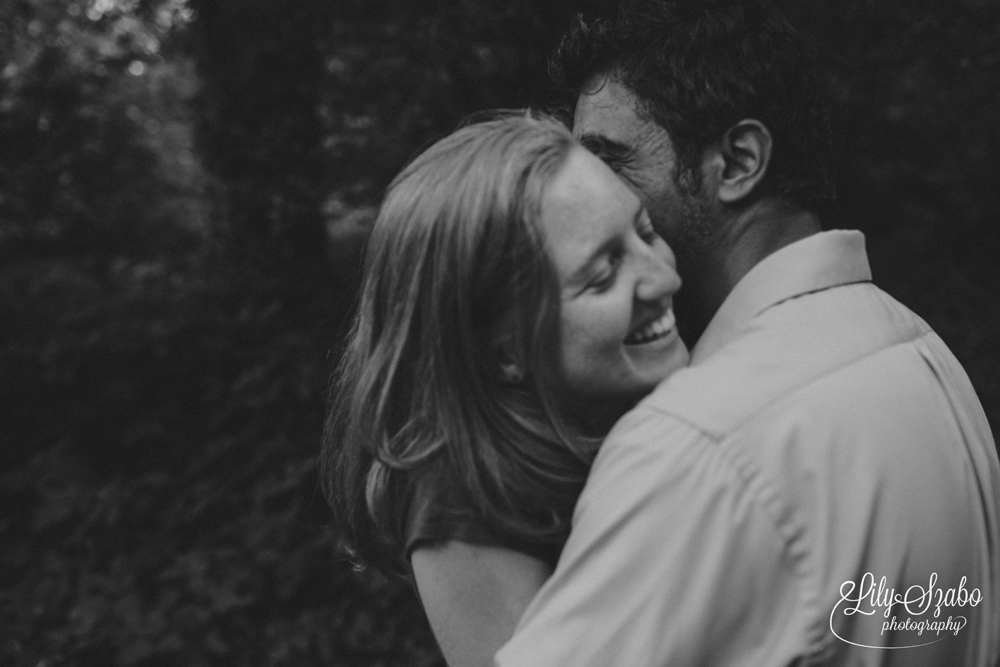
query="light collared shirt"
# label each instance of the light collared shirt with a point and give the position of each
(823, 460)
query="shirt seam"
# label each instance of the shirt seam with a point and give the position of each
(795, 389)
(808, 292)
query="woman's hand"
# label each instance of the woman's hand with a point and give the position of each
(474, 596)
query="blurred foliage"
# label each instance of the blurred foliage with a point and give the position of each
(184, 191)
(918, 155)
(85, 137)
(258, 129)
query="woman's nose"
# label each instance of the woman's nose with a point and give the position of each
(659, 278)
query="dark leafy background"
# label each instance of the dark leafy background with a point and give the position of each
(184, 188)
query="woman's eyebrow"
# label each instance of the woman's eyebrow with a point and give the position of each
(606, 246)
(607, 149)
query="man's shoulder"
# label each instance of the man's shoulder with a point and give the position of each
(783, 350)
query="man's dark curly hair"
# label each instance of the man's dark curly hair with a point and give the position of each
(696, 67)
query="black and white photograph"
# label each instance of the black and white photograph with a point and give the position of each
(499, 333)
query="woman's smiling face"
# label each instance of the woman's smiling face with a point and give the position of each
(617, 279)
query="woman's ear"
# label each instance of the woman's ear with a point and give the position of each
(511, 371)
(744, 154)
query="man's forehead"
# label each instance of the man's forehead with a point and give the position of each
(606, 108)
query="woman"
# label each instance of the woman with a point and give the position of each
(515, 303)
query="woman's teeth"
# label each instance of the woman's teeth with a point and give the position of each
(653, 330)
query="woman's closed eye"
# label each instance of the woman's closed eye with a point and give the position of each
(605, 274)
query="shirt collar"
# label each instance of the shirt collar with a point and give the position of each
(817, 262)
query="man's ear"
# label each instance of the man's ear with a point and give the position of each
(744, 154)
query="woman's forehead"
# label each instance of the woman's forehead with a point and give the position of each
(584, 206)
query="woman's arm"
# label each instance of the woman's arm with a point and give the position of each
(474, 596)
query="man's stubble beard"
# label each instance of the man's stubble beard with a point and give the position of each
(694, 238)
(696, 231)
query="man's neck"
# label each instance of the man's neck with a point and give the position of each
(745, 240)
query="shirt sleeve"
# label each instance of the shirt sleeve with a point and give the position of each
(674, 559)
(440, 512)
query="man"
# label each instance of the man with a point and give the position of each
(821, 485)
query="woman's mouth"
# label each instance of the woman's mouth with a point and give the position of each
(654, 330)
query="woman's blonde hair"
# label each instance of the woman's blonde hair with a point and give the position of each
(452, 360)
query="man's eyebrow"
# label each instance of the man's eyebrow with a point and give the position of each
(606, 148)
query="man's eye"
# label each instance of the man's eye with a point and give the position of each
(617, 163)
(646, 232)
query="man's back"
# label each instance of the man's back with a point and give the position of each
(823, 439)
(872, 452)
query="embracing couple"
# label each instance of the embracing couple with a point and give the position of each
(518, 426)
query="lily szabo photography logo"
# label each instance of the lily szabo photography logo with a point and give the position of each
(916, 617)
